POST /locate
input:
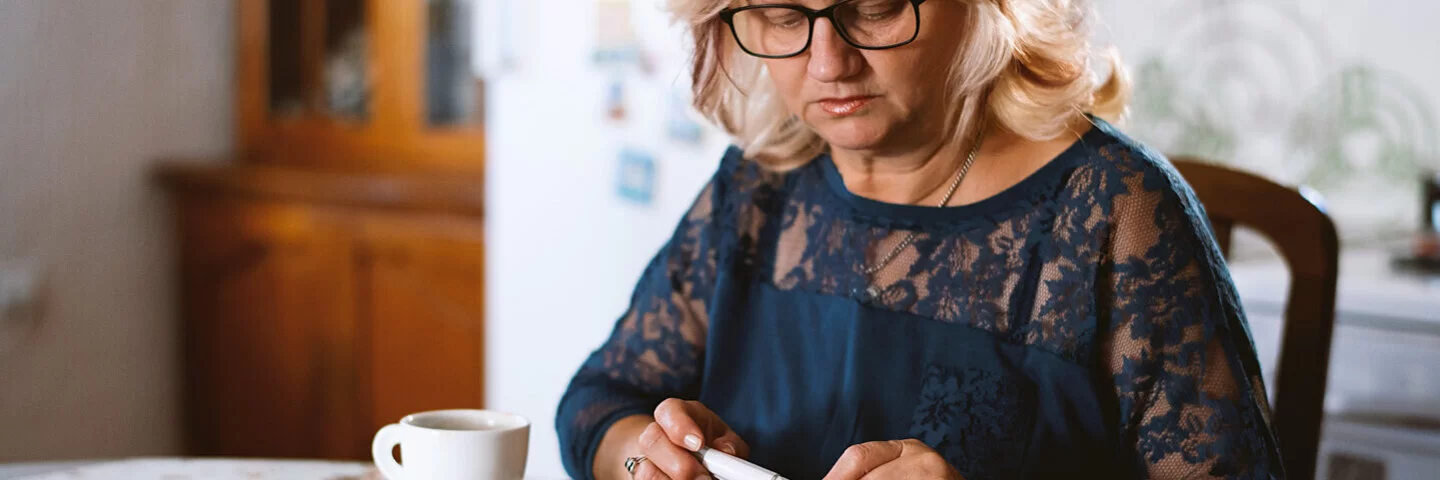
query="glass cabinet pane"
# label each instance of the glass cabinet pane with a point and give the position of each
(287, 82)
(319, 59)
(452, 91)
(347, 60)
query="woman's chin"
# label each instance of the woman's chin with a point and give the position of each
(852, 134)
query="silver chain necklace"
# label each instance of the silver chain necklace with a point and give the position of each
(872, 291)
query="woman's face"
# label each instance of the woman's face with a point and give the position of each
(873, 100)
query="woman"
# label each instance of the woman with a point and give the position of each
(929, 258)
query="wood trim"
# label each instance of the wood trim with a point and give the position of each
(386, 95)
(252, 38)
(316, 143)
(460, 194)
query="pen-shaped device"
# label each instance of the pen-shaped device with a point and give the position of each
(726, 467)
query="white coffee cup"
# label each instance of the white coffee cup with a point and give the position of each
(454, 445)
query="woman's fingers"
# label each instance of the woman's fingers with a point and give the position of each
(674, 417)
(892, 459)
(730, 442)
(916, 461)
(647, 470)
(718, 434)
(669, 459)
(859, 460)
(689, 423)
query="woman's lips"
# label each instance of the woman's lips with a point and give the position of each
(843, 107)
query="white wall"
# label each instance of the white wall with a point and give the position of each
(91, 93)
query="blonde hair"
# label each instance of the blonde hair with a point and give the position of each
(1025, 65)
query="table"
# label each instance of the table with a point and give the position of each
(173, 468)
(190, 469)
(1370, 293)
(1387, 336)
(1383, 362)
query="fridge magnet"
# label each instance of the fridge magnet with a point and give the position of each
(636, 179)
(615, 101)
(680, 125)
(615, 42)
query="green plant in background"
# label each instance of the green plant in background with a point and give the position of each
(1362, 122)
(1221, 80)
(1163, 114)
(1256, 85)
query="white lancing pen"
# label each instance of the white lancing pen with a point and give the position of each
(727, 467)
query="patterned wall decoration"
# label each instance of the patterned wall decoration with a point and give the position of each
(1362, 122)
(1289, 90)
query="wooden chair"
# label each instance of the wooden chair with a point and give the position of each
(1307, 240)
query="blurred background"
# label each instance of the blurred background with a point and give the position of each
(265, 228)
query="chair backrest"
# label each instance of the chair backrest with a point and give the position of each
(1306, 238)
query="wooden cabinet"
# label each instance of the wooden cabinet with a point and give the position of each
(270, 329)
(331, 272)
(312, 314)
(422, 290)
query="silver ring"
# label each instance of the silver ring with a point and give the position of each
(633, 463)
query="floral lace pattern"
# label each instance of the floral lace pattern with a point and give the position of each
(964, 414)
(1102, 258)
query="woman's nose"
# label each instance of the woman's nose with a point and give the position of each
(831, 59)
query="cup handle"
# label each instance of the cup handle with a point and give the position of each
(383, 450)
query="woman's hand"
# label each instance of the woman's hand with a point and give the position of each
(680, 428)
(893, 459)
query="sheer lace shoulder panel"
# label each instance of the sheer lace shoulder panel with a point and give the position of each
(1190, 396)
(661, 338)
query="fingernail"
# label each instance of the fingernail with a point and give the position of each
(729, 448)
(692, 442)
(703, 477)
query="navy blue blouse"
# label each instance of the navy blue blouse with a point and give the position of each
(1081, 322)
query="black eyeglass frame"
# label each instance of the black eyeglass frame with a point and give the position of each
(828, 13)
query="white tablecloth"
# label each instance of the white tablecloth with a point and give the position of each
(191, 469)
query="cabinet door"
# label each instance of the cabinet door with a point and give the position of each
(360, 84)
(268, 324)
(421, 281)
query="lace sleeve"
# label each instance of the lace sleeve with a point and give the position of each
(1191, 402)
(655, 350)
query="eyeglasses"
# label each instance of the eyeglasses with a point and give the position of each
(783, 31)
